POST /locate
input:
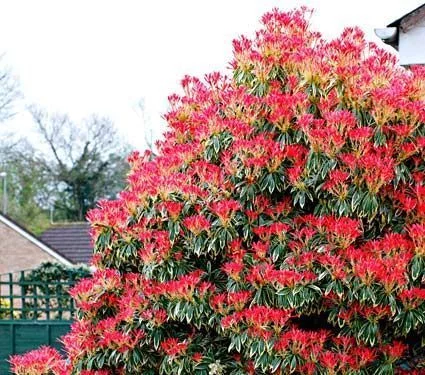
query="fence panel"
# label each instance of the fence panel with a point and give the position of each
(29, 299)
(32, 313)
(20, 336)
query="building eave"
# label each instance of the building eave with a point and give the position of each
(409, 19)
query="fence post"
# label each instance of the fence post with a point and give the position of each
(13, 338)
(23, 300)
(47, 311)
(11, 296)
(35, 306)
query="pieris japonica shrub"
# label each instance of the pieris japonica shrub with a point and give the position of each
(41, 361)
(279, 229)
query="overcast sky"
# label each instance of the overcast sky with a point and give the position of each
(89, 56)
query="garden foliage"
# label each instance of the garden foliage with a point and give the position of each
(280, 228)
(51, 283)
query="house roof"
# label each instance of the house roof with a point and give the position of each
(409, 19)
(6, 220)
(71, 241)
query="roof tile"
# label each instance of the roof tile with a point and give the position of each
(70, 240)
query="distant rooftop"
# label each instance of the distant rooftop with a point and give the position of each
(71, 241)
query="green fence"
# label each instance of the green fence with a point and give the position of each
(28, 299)
(20, 336)
(32, 313)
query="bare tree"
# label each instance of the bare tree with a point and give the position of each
(9, 91)
(29, 185)
(87, 161)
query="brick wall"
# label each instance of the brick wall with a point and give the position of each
(18, 253)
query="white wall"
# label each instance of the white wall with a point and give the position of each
(412, 45)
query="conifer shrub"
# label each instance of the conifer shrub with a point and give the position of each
(279, 229)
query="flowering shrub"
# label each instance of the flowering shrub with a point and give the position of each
(281, 227)
(4, 308)
(41, 361)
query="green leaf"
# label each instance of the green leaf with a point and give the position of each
(275, 364)
(417, 267)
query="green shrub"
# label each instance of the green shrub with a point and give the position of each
(51, 283)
